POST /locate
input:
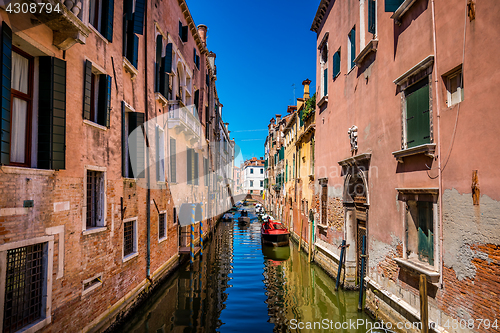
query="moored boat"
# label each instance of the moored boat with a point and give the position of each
(274, 233)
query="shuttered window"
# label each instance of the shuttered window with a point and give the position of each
(107, 17)
(52, 114)
(97, 96)
(392, 5)
(158, 61)
(371, 16)
(425, 232)
(173, 162)
(189, 165)
(183, 32)
(206, 173)
(138, 17)
(352, 47)
(136, 145)
(130, 42)
(160, 154)
(417, 114)
(196, 169)
(336, 64)
(325, 83)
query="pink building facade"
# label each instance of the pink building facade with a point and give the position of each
(405, 154)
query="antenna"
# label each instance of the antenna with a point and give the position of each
(293, 85)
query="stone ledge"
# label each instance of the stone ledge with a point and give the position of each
(403, 8)
(426, 149)
(432, 275)
(371, 46)
(323, 101)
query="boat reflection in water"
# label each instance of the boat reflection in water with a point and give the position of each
(276, 253)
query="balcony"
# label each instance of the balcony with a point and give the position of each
(66, 24)
(184, 119)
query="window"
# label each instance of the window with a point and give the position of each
(160, 154)
(261, 171)
(261, 183)
(251, 183)
(324, 69)
(417, 113)
(173, 163)
(183, 32)
(392, 5)
(133, 150)
(372, 16)
(336, 64)
(95, 199)
(455, 87)
(129, 238)
(97, 96)
(163, 66)
(24, 287)
(196, 58)
(192, 167)
(420, 231)
(351, 48)
(133, 25)
(162, 226)
(206, 171)
(101, 17)
(21, 96)
(251, 170)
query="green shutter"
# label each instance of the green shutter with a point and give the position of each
(189, 165)
(336, 64)
(417, 114)
(205, 170)
(133, 51)
(5, 72)
(158, 62)
(371, 16)
(52, 114)
(107, 19)
(352, 38)
(180, 29)
(167, 65)
(136, 119)
(104, 102)
(126, 27)
(301, 114)
(196, 100)
(286, 172)
(87, 88)
(138, 16)
(124, 140)
(325, 83)
(185, 33)
(392, 5)
(196, 174)
(425, 232)
(173, 164)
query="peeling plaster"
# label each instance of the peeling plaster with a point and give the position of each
(380, 250)
(464, 225)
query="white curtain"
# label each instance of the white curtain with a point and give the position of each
(20, 70)
(19, 82)
(18, 134)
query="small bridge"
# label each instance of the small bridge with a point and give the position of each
(243, 196)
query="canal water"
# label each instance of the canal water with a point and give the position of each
(239, 286)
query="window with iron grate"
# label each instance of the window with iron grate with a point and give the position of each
(162, 226)
(24, 284)
(129, 238)
(95, 199)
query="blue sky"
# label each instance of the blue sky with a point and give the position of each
(263, 48)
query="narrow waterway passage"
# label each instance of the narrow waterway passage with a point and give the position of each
(239, 286)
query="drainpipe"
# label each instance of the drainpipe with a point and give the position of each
(148, 176)
(438, 116)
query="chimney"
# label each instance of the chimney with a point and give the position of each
(202, 31)
(278, 118)
(306, 83)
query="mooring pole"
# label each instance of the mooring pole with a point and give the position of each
(342, 249)
(191, 245)
(424, 309)
(201, 230)
(362, 273)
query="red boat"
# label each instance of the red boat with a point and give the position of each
(274, 233)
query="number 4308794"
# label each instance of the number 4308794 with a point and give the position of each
(32, 8)
(471, 323)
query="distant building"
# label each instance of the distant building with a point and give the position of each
(253, 176)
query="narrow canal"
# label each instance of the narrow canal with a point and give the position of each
(239, 286)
